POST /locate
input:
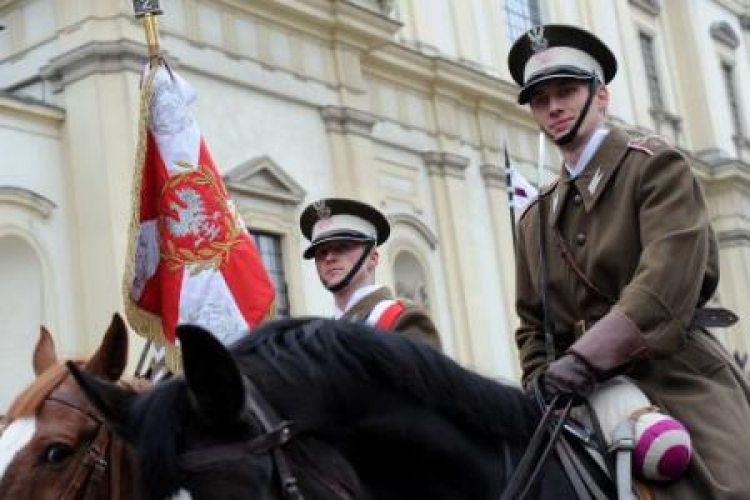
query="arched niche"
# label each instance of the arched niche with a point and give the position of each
(410, 279)
(21, 312)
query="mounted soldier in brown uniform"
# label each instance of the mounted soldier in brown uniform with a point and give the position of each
(344, 237)
(631, 262)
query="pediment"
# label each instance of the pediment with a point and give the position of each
(263, 178)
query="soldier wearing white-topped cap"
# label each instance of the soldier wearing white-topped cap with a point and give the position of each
(344, 237)
(631, 263)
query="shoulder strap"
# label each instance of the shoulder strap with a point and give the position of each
(385, 314)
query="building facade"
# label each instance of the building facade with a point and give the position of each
(405, 104)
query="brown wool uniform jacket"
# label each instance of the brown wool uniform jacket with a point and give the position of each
(413, 322)
(634, 226)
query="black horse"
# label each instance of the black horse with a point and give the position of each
(373, 416)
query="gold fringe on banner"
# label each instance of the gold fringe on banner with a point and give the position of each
(144, 323)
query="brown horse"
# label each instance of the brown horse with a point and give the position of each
(53, 443)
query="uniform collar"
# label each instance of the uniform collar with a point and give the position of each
(594, 178)
(358, 295)
(588, 151)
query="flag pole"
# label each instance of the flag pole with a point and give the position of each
(148, 10)
(510, 188)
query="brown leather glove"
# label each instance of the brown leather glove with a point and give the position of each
(570, 375)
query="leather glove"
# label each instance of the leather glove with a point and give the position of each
(570, 375)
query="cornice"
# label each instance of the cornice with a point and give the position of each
(28, 106)
(27, 199)
(338, 19)
(94, 57)
(345, 120)
(443, 164)
(442, 74)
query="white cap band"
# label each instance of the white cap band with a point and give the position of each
(343, 222)
(561, 56)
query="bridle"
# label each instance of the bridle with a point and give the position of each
(276, 434)
(104, 452)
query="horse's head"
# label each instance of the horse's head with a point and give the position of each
(53, 442)
(205, 440)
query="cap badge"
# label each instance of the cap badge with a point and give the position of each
(322, 210)
(538, 41)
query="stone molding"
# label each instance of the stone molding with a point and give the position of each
(652, 7)
(346, 120)
(493, 176)
(722, 32)
(443, 164)
(416, 224)
(27, 199)
(94, 58)
(733, 238)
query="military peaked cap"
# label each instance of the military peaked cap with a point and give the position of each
(558, 51)
(335, 219)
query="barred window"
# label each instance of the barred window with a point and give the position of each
(727, 71)
(269, 246)
(522, 15)
(652, 74)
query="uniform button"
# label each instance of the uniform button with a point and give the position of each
(577, 200)
(581, 239)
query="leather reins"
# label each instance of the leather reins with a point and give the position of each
(276, 433)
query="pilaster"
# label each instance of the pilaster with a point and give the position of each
(350, 138)
(447, 181)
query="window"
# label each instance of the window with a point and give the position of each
(652, 75)
(269, 246)
(522, 15)
(727, 71)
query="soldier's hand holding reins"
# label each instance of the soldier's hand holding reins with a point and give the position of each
(571, 375)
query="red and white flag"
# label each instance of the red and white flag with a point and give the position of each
(190, 257)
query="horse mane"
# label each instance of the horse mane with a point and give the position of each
(159, 466)
(28, 402)
(306, 353)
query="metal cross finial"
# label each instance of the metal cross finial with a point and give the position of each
(143, 7)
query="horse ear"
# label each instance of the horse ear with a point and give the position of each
(212, 375)
(111, 357)
(45, 354)
(112, 401)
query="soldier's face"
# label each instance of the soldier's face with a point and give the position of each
(335, 259)
(556, 105)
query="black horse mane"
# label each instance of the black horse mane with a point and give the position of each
(308, 366)
(347, 357)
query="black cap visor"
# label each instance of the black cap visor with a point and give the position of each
(557, 72)
(335, 236)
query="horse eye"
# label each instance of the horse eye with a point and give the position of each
(56, 454)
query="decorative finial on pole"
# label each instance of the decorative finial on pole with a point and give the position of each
(148, 10)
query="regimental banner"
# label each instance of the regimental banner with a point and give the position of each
(190, 257)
